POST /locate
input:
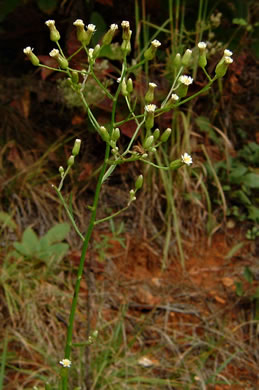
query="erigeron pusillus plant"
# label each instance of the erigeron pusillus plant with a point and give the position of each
(144, 122)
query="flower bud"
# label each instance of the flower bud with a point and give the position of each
(151, 51)
(173, 99)
(148, 142)
(156, 134)
(126, 45)
(126, 32)
(187, 57)
(32, 57)
(71, 161)
(149, 97)
(54, 34)
(63, 63)
(202, 57)
(110, 34)
(177, 60)
(132, 196)
(150, 111)
(166, 134)
(130, 85)
(222, 66)
(175, 165)
(61, 171)
(139, 182)
(76, 147)
(124, 89)
(185, 81)
(115, 134)
(96, 51)
(74, 77)
(80, 31)
(104, 134)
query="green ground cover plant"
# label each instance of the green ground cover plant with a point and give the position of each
(145, 146)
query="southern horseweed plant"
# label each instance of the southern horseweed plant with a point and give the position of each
(150, 138)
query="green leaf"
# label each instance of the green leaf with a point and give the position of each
(30, 243)
(56, 233)
(233, 250)
(241, 196)
(236, 174)
(6, 219)
(248, 275)
(251, 180)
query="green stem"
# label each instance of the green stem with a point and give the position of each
(101, 85)
(111, 216)
(82, 258)
(70, 216)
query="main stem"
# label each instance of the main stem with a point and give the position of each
(81, 267)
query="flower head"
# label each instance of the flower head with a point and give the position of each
(114, 27)
(65, 363)
(186, 159)
(91, 28)
(150, 107)
(50, 23)
(156, 43)
(202, 45)
(228, 60)
(125, 24)
(54, 53)
(227, 53)
(28, 50)
(186, 80)
(174, 97)
(78, 23)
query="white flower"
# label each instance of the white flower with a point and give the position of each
(186, 159)
(202, 45)
(90, 53)
(174, 97)
(125, 23)
(152, 85)
(187, 80)
(118, 79)
(227, 53)
(114, 27)
(150, 107)
(228, 60)
(78, 22)
(50, 23)
(65, 363)
(27, 50)
(91, 27)
(54, 53)
(155, 43)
